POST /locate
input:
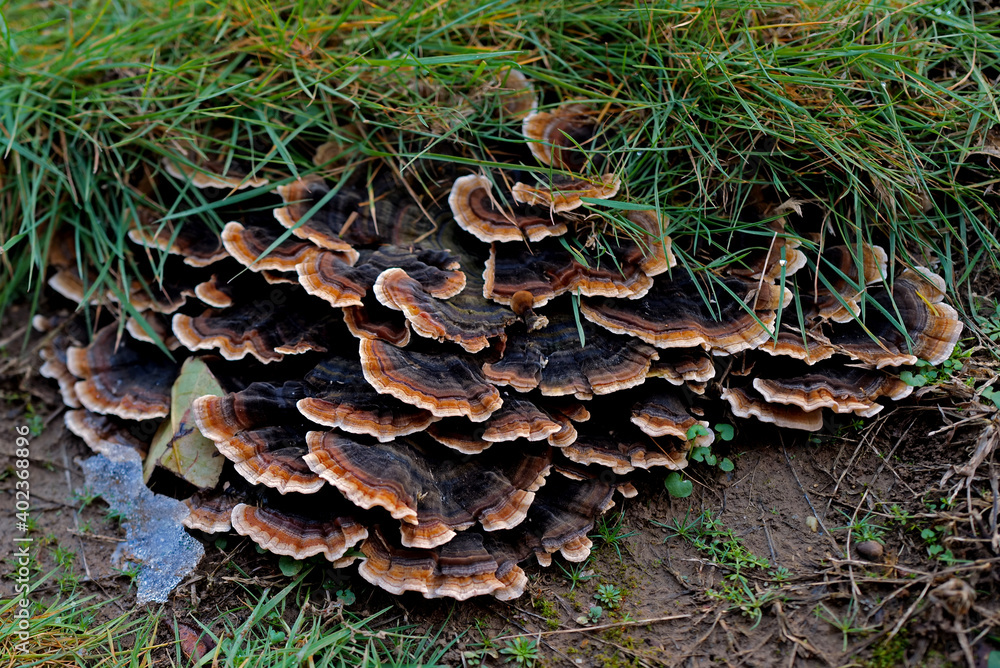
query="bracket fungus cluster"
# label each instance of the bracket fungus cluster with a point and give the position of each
(440, 383)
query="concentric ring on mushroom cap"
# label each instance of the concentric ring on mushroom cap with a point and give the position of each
(459, 569)
(932, 327)
(340, 397)
(328, 276)
(566, 193)
(434, 494)
(744, 404)
(260, 430)
(843, 389)
(440, 319)
(124, 378)
(478, 212)
(674, 315)
(446, 385)
(299, 536)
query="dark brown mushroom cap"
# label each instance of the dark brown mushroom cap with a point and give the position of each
(845, 389)
(746, 403)
(352, 217)
(248, 246)
(623, 453)
(673, 315)
(565, 193)
(371, 320)
(61, 333)
(460, 569)
(299, 535)
(563, 513)
(159, 325)
(845, 280)
(268, 326)
(517, 419)
(548, 270)
(210, 512)
(262, 433)
(130, 380)
(101, 431)
(444, 384)
(554, 136)
(203, 171)
(469, 322)
(434, 493)
(193, 240)
(766, 256)
(478, 212)
(683, 365)
(215, 292)
(932, 326)
(340, 397)
(813, 349)
(664, 414)
(553, 361)
(519, 97)
(328, 276)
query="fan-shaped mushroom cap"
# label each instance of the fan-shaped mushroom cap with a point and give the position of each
(745, 404)
(101, 431)
(433, 495)
(780, 254)
(210, 512)
(844, 278)
(516, 419)
(547, 271)
(683, 365)
(204, 172)
(371, 320)
(478, 212)
(193, 240)
(248, 246)
(673, 315)
(269, 327)
(554, 136)
(328, 276)
(553, 361)
(446, 385)
(563, 514)
(460, 569)
(623, 453)
(791, 344)
(351, 217)
(54, 352)
(121, 378)
(665, 415)
(299, 535)
(932, 326)
(432, 318)
(262, 433)
(215, 292)
(160, 326)
(843, 389)
(340, 397)
(565, 193)
(519, 95)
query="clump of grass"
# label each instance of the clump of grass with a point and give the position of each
(875, 121)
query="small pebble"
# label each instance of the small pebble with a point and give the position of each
(870, 549)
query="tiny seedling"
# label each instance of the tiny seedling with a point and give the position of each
(609, 595)
(522, 651)
(592, 617)
(577, 573)
(612, 532)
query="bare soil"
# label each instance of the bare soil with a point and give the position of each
(908, 607)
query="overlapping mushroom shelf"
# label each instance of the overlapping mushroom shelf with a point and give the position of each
(442, 387)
